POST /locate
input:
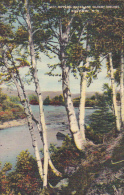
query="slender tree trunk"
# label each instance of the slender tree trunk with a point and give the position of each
(55, 171)
(30, 122)
(38, 92)
(122, 90)
(114, 93)
(73, 124)
(31, 129)
(83, 84)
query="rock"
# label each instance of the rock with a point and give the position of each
(62, 183)
(60, 136)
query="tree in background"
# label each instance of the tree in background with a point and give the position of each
(114, 93)
(33, 99)
(47, 101)
(108, 95)
(107, 37)
(102, 122)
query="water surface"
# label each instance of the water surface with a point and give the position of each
(15, 139)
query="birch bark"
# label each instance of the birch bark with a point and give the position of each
(114, 93)
(122, 90)
(38, 92)
(29, 119)
(55, 171)
(83, 85)
(73, 124)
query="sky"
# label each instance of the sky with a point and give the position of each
(50, 83)
(53, 83)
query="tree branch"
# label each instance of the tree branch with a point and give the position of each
(52, 50)
(36, 31)
(69, 25)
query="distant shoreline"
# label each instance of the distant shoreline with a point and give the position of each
(20, 122)
(13, 123)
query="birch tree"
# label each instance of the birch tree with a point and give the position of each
(114, 93)
(63, 28)
(122, 88)
(108, 41)
(83, 85)
(44, 139)
(38, 92)
(14, 74)
(29, 117)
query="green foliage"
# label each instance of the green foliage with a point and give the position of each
(9, 110)
(93, 97)
(47, 101)
(101, 122)
(108, 95)
(21, 35)
(14, 99)
(61, 99)
(57, 100)
(33, 99)
(4, 182)
(76, 102)
(67, 156)
(90, 102)
(25, 178)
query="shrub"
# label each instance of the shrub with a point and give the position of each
(9, 110)
(102, 121)
(14, 99)
(47, 101)
(6, 115)
(25, 179)
(4, 182)
(33, 99)
(66, 156)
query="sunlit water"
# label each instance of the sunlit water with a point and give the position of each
(14, 140)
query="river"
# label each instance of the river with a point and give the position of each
(15, 139)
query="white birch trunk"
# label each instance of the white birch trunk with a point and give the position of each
(83, 84)
(73, 124)
(31, 129)
(30, 123)
(114, 94)
(122, 91)
(55, 171)
(37, 89)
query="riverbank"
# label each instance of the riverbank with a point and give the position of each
(13, 123)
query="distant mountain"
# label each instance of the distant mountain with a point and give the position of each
(51, 94)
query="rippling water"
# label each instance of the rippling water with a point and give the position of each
(14, 140)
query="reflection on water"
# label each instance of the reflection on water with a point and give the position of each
(14, 140)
